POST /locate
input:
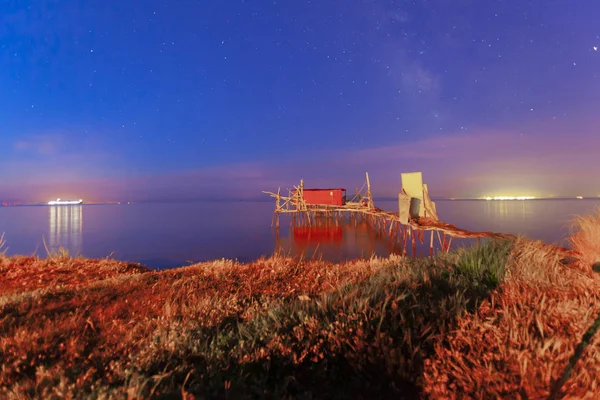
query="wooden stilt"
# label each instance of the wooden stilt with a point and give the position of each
(414, 244)
(431, 245)
(405, 236)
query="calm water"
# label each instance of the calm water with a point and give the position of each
(165, 235)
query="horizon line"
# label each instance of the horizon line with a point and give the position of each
(264, 200)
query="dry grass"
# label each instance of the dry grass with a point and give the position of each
(24, 273)
(585, 238)
(106, 331)
(519, 341)
(500, 320)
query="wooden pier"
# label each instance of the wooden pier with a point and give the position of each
(408, 228)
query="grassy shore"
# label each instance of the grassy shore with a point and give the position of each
(500, 319)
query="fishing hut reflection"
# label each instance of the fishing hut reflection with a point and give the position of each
(65, 228)
(334, 240)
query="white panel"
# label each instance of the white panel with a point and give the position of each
(430, 210)
(403, 208)
(412, 184)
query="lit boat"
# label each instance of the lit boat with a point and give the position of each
(59, 202)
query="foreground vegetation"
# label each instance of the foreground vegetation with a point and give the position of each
(501, 319)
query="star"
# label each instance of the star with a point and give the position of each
(595, 48)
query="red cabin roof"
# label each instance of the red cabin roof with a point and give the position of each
(314, 190)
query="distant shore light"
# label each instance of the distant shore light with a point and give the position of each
(510, 198)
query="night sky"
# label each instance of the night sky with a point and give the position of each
(164, 100)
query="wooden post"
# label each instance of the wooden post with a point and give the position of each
(405, 235)
(278, 246)
(414, 243)
(431, 245)
(369, 195)
(277, 207)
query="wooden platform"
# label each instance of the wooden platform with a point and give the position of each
(362, 206)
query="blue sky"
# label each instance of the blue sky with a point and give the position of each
(148, 100)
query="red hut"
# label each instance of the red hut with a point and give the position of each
(330, 197)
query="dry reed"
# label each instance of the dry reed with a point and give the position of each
(585, 238)
(519, 341)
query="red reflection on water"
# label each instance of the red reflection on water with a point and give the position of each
(318, 234)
